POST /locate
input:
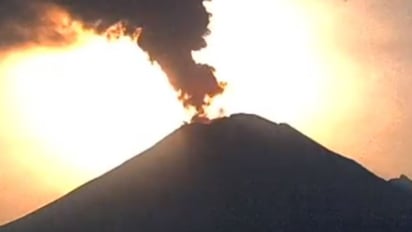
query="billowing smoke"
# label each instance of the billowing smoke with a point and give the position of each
(31, 22)
(170, 31)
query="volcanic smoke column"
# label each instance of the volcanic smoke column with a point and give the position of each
(171, 30)
(170, 42)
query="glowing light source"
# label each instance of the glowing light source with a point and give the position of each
(95, 103)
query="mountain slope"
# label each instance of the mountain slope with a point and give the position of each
(241, 173)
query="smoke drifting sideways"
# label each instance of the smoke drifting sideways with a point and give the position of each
(24, 22)
(169, 31)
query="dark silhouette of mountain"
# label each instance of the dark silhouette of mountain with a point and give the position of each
(241, 173)
(402, 182)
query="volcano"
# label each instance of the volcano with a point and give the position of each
(240, 173)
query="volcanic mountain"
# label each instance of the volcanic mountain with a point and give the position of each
(241, 173)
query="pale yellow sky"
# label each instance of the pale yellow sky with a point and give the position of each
(350, 61)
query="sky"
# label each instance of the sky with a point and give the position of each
(350, 62)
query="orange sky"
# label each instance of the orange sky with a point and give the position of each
(349, 61)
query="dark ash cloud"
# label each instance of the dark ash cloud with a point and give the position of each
(171, 30)
(31, 22)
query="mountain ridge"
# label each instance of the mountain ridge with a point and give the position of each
(237, 173)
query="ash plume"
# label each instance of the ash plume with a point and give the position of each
(170, 31)
(25, 22)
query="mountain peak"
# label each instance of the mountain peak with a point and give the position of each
(403, 182)
(404, 177)
(239, 173)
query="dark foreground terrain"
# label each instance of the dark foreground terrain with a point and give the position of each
(241, 173)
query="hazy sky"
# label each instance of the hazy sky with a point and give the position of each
(361, 46)
(373, 36)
